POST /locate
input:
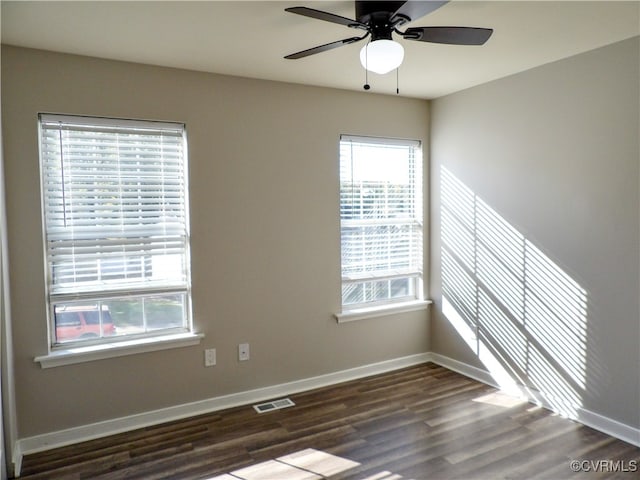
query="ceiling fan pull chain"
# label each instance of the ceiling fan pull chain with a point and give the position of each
(398, 81)
(366, 70)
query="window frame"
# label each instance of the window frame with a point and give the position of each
(382, 307)
(150, 339)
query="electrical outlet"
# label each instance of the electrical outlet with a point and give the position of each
(209, 357)
(243, 352)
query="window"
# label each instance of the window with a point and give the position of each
(381, 221)
(116, 228)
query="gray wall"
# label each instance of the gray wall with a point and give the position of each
(549, 159)
(264, 223)
(6, 372)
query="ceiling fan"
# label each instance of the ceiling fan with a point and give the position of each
(379, 20)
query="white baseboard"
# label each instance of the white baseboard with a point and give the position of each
(586, 417)
(464, 368)
(609, 426)
(16, 460)
(83, 433)
(46, 441)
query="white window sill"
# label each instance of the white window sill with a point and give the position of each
(381, 310)
(90, 353)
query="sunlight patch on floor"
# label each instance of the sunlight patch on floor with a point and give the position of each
(384, 476)
(308, 464)
(500, 399)
(274, 469)
(319, 462)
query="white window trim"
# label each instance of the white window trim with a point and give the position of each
(366, 310)
(381, 310)
(89, 353)
(61, 354)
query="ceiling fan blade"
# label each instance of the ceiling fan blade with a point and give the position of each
(416, 9)
(326, 16)
(449, 35)
(323, 48)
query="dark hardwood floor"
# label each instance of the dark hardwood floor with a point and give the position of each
(423, 422)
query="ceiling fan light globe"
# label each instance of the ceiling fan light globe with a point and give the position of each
(381, 56)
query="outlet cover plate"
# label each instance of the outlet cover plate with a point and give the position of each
(243, 352)
(209, 357)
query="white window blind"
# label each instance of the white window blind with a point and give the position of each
(381, 219)
(116, 219)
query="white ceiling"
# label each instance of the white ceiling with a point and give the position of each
(249, 39)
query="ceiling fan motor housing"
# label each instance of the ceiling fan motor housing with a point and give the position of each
(377, 16)
(364, 9)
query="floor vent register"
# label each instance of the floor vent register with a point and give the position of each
(273, 405)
